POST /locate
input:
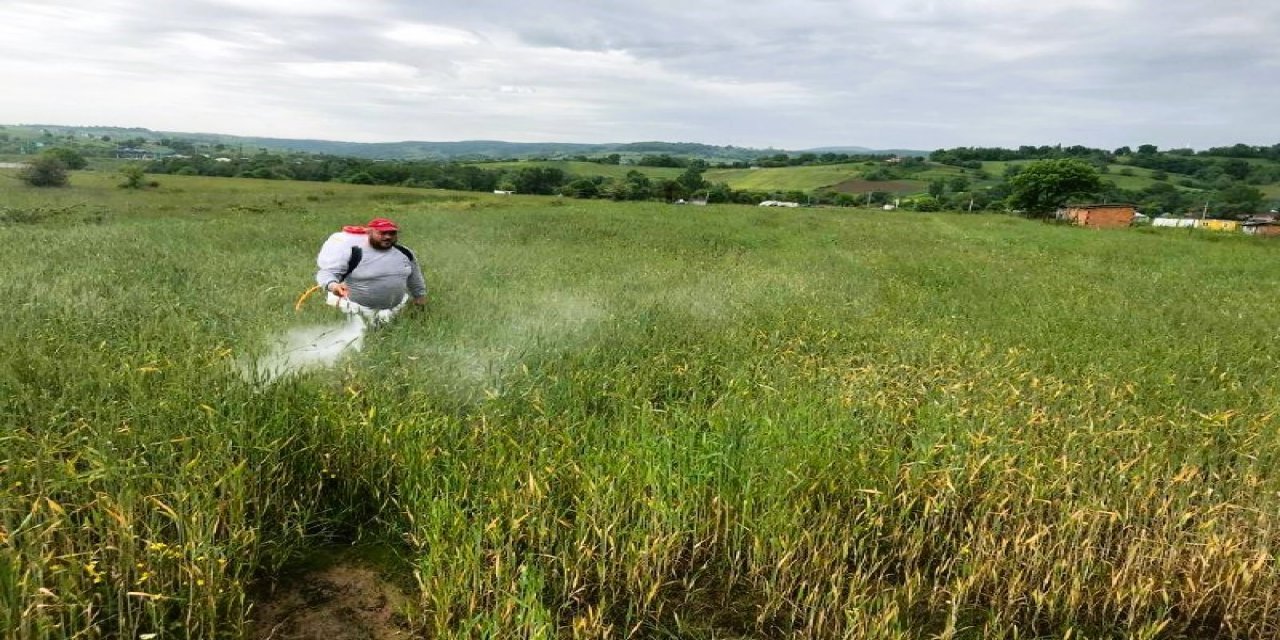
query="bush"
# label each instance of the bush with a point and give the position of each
(134, 177)
(925, 203)
(69, 157)
(44, 171)
(37, 215)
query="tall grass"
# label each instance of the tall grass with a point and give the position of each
(636, 420)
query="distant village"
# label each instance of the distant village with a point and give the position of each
(1110, 216)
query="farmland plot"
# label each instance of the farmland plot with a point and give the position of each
(637, 420)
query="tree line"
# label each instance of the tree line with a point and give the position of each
(1209, 167)
(1050, 152)
(1223, 191)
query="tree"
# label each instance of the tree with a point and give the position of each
(539, 180)
(638, 186)
(134, 177)
(669, 189)
(615, 189)
(691, 179)
(1044, 185)
(1239, 199)
(719, 192)
(1162, 197)
(1147, 149)
(44, 171)
(582, 188)
(1236, 168)
(925, 203)
(70, 158)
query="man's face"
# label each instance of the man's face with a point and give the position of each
(382, 239)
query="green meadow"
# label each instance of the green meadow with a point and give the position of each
(801, 178)
(579, 168)
(1121, 175)
(637, 420)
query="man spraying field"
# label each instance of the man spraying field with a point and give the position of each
(367, 272)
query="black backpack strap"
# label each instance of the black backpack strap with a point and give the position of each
(356, 254)
(407, 253)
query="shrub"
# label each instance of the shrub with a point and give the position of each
(134, 177)
(69, 157)
(44, 171)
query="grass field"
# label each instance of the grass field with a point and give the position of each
(1140, 179)
(621, 419)
(585, 168)
(786, 178)
(779, 179)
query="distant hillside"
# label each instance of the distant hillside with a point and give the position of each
(422, 150)
(866, 151)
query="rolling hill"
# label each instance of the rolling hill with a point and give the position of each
(424, 150)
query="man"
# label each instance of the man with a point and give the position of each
(370, 275)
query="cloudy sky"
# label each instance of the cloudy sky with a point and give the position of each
(789, 74)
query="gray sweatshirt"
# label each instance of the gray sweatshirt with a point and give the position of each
(379, 281)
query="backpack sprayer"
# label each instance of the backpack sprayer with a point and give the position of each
(351, 241)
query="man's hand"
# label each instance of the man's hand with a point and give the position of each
(420, 301)
(339, 289)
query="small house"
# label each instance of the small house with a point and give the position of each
(1219, 225)
(1098, 216)
(134, 153)
(1262, 228)
(1179, 223)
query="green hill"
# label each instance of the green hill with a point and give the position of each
(405, 150)
(786, 178)
(579, 168)
(800, 178)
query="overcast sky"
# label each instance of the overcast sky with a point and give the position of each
(789, 74)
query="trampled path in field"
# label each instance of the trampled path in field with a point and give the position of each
(343, 602)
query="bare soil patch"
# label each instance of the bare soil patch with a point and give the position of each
(345, 601)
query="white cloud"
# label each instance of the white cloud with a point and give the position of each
(335, 8)
(793, 73)
(203, 47)
(428, 35)
(356, 71)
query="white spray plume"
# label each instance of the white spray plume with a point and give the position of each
(306, 349)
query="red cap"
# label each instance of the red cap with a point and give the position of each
(351, 228)
(382, 224)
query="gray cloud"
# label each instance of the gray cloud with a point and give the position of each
(914, 73)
